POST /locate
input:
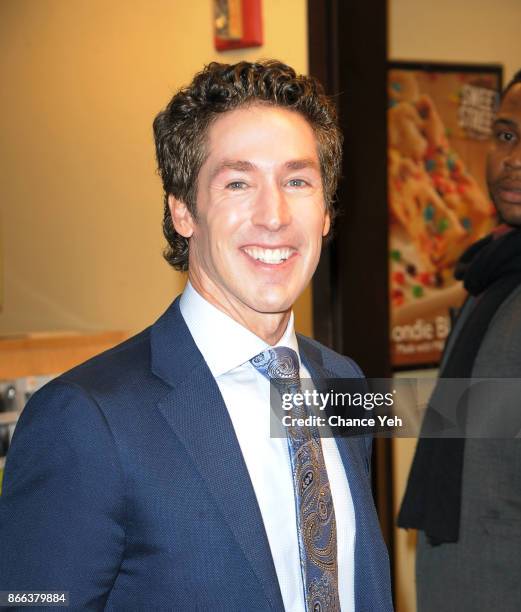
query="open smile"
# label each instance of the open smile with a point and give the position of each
(275, 256)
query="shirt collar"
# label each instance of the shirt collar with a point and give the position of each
(224, 343)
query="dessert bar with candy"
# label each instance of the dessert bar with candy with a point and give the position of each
(436, 205)
(408, 282)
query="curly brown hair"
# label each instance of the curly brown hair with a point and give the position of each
(180, 131)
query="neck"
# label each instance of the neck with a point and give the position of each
(270, 326)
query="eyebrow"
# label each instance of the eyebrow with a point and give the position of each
(229, 164)
(246, 166)
(302, 164)
(501, 121)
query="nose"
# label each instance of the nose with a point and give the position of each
(513, 160)
(272, 209)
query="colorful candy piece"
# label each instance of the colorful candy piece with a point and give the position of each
(428, 213)
(443, 224)
(467, 223)
(397, 297)
(438, 181)
(396, 255)
(431, 151)
(425, 278)
(396, 86)
(399, 277)
(417, 291)
(411, 269)
(430, 165)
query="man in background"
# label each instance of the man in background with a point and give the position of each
(146, 478)
(464, 495)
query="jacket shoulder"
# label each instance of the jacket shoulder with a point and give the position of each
(339, 365)
(119, 374)
(125, 359)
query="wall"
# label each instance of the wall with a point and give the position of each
(81, 205)
(479, 31)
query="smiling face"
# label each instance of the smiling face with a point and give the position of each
(261, 216)
(504, 160)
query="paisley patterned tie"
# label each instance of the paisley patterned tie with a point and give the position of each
(316, 523)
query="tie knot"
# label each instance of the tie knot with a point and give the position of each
(280, 362)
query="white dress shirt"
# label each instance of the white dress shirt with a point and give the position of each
(227, 348)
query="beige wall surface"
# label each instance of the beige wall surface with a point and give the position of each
(81, 204)
(479, 31)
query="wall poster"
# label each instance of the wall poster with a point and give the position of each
(439, 125)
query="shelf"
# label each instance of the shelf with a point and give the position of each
(8, 417)
(51, 353)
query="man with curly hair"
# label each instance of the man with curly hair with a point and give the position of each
(146, 478)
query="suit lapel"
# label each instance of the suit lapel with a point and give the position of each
(196, 412)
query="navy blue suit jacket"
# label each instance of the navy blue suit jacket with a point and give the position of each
(125, 485)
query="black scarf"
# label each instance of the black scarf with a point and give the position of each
(491, 270)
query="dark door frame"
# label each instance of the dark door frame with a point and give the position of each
(347, 42)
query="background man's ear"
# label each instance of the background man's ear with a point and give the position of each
(181, 217)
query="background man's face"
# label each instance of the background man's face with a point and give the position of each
(504, 160)
(260, 212)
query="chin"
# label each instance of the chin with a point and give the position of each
(510, 217)
(273, 304)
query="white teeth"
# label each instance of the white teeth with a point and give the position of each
(270, 256)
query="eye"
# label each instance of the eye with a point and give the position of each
(236, 185)
(505, 136)
(297, 183)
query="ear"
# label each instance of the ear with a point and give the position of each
(181, 217)
(327, 224)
